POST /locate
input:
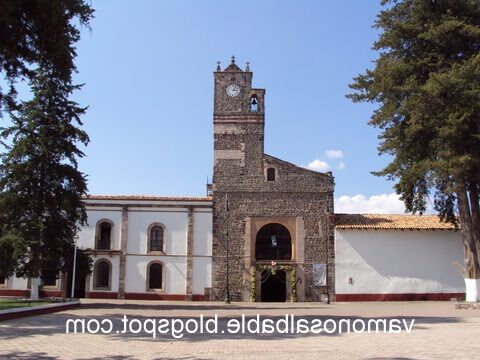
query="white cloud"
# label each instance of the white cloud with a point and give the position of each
(341, 165)
(376, 204)
(334, 154)
(318, 165)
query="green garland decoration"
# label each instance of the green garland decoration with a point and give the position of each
(253, 284)
(273, 269)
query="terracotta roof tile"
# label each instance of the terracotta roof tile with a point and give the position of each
(147, 197)
(389, 221)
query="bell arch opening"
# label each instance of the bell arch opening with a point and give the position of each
(273, 242)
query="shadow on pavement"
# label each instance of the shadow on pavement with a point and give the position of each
(191, 306)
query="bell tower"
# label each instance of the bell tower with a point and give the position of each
(238, 123)
(262, 204)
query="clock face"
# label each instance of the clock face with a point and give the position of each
(233, 90)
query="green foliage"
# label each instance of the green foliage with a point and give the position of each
(40, 184)
(7, 303)
(38, 33)
(291, 270)
(84, 265)
(11, 248)
(253, 284)
(427, 84)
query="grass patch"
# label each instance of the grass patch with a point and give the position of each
(9, 303)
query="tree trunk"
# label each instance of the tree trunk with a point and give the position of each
(36, 280)
(475, 206)
(36, 271)
(472, 268)
(35, 288)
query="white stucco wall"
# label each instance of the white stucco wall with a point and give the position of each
(174, 273)
(86, 236)
(174, 220)
(202, 233)
(202, 274)
(202, 251)
(395, 261)
(17, 283)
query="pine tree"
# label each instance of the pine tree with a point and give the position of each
(427, 84)
(40, 184)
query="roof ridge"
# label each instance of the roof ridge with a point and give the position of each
(144, 197)
(297, 166)
(391, 221)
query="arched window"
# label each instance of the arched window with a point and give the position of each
(156, 238)
(102, 275)
(271, 172)
(155, 276)
(155, 242)
(253, 103)
(273, 242)
(104, 235)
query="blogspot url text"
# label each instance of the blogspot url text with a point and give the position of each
(288, 324)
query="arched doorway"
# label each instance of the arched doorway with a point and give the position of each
(273, 242)
(274, 286)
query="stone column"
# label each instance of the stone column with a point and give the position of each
(247, 255)
(87, 285)
(190, 229)
(331, 255)
(123, 253)
(300, 236)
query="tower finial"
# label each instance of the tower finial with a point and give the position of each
(233, 59)
(218, 66)
(247, 68)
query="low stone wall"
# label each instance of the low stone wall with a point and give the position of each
(37, 310)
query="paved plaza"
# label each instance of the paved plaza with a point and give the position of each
(439, 332)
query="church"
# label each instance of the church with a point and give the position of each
(266, 231)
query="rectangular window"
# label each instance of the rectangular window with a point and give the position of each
(271, 174)
(49, 281)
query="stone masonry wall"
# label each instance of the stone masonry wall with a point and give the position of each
(296, 193)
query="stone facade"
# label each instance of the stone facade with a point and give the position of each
(244, 200)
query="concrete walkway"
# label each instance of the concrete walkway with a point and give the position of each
(439, 332)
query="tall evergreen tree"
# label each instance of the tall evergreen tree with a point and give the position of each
(40, 184)
(427, 84)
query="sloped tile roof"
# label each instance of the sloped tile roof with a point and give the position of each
(390, 222)
(147, 198)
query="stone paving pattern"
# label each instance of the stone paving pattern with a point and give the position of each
(440, 332)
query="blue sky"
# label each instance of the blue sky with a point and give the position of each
(147, 68)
